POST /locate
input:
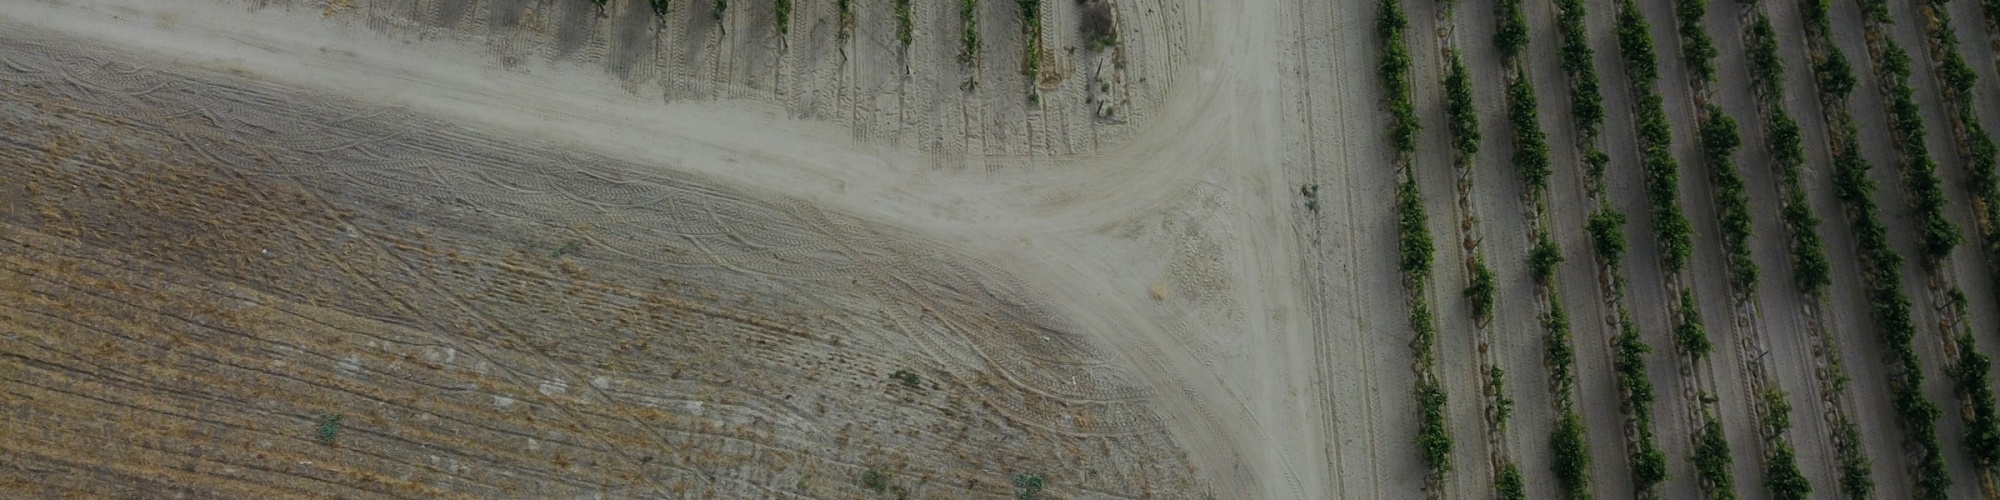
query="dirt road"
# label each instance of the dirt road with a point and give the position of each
(1143, 255)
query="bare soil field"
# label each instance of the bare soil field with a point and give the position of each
(539, 248)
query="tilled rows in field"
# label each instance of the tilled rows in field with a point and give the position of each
(1759, 352)
(294, 295)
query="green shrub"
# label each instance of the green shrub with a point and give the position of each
(1635, 45)
(1649, 465)
(1496, 385)
(905, 29)
(1688, 331)
(908, 378)
(660, 7)
(1607, 233)
(784, 8)
(1696, 47)
(1711, 459)
(1510, 484)
(1836, 76)
(1512, 34)
(1767, 69)
(329, 428)
(1982, 433)
(968, 15)
(1857, 473)
(1462, 113)
(846, 17)
(1570, 446)
(1629, 360)
(875, 479)
(1413, 227)
(1028, 486)
(1531, 147)
(1556, 345)
(1543, 259)
(1433, 438)
(1719, 141)
(1480, 291)
(721, 7)
(1782, 477)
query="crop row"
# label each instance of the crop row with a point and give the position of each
(1606, 226)
(1983, 431)
(1567, 441)
(1811, 271)
(1835, 79)
(1937, 235)
(1891, 310)
(1662, 172)
(1810, 268)
(1433, 440)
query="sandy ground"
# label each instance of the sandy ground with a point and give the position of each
(1165, 271)
(546, 251)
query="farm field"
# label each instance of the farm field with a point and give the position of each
(1018, 249)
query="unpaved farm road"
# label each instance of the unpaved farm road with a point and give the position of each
(1232, 347)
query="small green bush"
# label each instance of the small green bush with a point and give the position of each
(1480, 290)
(1607, 233)
(1543, 259)
(1688, 331)
(1028, 486)
(1570, 446)
(1510, 484)
(329, 428)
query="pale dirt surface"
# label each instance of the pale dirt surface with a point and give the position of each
(532, 250)
(1101, 312)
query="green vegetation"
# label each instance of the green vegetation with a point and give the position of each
(1670, 224)
(1531, 146)
(1836, 81)
(1719, 141)
(1512, 34)
(1503, 406)
(1938, 235)
(1607, 233)
(721, 7)
(1510, 484)
(1635, 45)
(1711, 459)
(1586, 98)
(1781, 470)
(329, 428)
(784, 8)
(1031, 28)
(846, 16)
(968, 14)
(1556, 345)
(1696, 47)
(1543, 259)
(1572, 455)
(1433, 434)
(1028, 486)
(1766, 68)
(1649, 464)
(905, 29)
(1891, 311)
(1463, 116)
(1415, 236)
(660, 6)
(1480, 291)
(1395, 73)
(1982, 433)
(875, 479)
(908, 378)
(1688, 331)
